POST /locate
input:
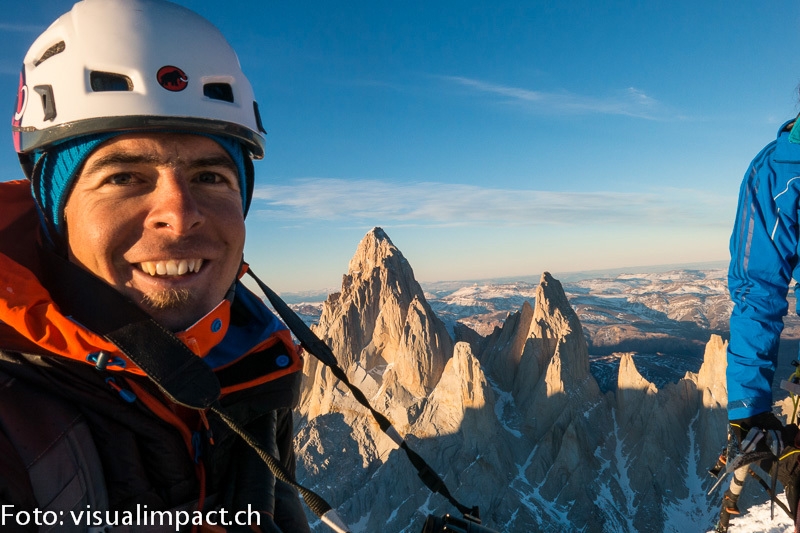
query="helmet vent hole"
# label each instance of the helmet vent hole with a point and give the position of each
(108, 81)
(50, 52)
(259, 124)
(218, 91)
(48, 101)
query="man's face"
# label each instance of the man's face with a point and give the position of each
(158, 216)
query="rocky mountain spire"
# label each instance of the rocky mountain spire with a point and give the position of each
(559, 341)
(540, 353)
(380, 325)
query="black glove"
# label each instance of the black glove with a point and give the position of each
(762, 432)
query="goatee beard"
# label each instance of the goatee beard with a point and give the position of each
(168, 299)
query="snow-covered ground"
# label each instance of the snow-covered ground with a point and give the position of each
(661, 300)
(756, 520)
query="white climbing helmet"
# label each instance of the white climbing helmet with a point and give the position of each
(118, 65)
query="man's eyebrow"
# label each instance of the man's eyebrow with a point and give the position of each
(214, 161)
(125, 158)
(119, 158)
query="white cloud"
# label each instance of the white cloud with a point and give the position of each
(438, 204)
(9, 70)
(21, 28)
(630, 102)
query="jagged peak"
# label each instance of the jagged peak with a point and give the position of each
(557, 324)
(711, 376)
(552, 293)
(629, 377)
(552, 310)
(375, 249)
(715, 361)
(378, 234)
(381, 317)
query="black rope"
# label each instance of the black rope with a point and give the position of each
(319, 349)
(432, 480)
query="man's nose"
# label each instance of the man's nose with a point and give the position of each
(173, 205)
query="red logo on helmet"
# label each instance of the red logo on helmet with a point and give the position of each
(172, 78)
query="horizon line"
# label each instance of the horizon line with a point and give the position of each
(570, 276)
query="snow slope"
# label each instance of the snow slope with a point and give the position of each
(756, 520)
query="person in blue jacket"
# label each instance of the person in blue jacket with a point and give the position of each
(764, 260)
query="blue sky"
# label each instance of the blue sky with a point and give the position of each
(492, 139)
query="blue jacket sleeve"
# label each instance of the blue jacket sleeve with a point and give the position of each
(763, 256)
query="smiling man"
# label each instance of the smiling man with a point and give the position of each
(125, 332)
(158, 216)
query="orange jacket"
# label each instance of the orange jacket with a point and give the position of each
(252, 354)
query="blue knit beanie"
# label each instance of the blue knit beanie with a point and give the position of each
(59, 165)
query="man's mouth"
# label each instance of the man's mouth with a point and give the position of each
(171, 267)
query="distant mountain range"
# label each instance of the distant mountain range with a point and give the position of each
(594, 405)
(663, 317)
(445, 287)
(663, 301)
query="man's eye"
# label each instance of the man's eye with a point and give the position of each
(210, 177)
(120, 179)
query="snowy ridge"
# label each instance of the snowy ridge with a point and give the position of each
(482, 307)
(697, 508)
(505, 409)
(618, 501)
(540, 507)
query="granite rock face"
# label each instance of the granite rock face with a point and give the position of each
(380, 321)
(514, 422)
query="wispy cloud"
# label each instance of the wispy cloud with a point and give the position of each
(370, 83)
(438, 204)
(21, 28)
(9, 70)
(630, 102)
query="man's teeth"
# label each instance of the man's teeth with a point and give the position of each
(171, 267)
